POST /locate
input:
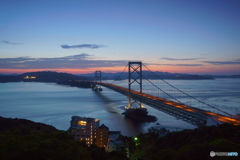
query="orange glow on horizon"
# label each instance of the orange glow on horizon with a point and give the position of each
(209, 69)
(65, 70)
(206, 69)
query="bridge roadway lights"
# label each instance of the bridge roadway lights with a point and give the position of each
(196, 119)
(193, 118)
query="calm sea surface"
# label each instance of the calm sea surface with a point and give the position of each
(55, 104)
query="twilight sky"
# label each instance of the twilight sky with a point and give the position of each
(81, 36)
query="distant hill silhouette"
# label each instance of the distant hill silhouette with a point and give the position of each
(149, 75)
(49, 76)
(43, 76)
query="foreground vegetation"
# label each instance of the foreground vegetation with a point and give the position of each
(24, 139)
(188, 144)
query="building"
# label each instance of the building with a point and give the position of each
(108, 139)
(113, 142)
(83, 128)
(115, 145)
(88, 129)
(102, 136)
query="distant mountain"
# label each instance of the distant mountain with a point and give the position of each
(13, 74)
(223, 76)
(49, 76)
(44, 76)
(149, 75)
(104, 74)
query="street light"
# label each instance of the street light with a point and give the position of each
(136, 141)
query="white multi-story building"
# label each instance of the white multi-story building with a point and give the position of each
(84, 128)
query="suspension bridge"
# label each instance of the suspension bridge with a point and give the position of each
(163, 96)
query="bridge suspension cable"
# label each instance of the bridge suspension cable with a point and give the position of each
(162, 90)
(119, 75)
(180, 92)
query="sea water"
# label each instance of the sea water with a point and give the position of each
(54, 104)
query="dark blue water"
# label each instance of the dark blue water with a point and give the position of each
(55, 104)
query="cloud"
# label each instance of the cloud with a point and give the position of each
(223, 62)
(80, 46)
(81, 61)
(82, 56)
(8, 42)
(187, 65)
(28, 59)
(179, 59)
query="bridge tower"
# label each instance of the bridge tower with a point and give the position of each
(134, 77)
(98, 78)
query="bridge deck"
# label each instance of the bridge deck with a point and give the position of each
(191, 114)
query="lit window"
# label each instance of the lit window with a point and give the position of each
(82, 123)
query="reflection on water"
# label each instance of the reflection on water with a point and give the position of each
(55, 104)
